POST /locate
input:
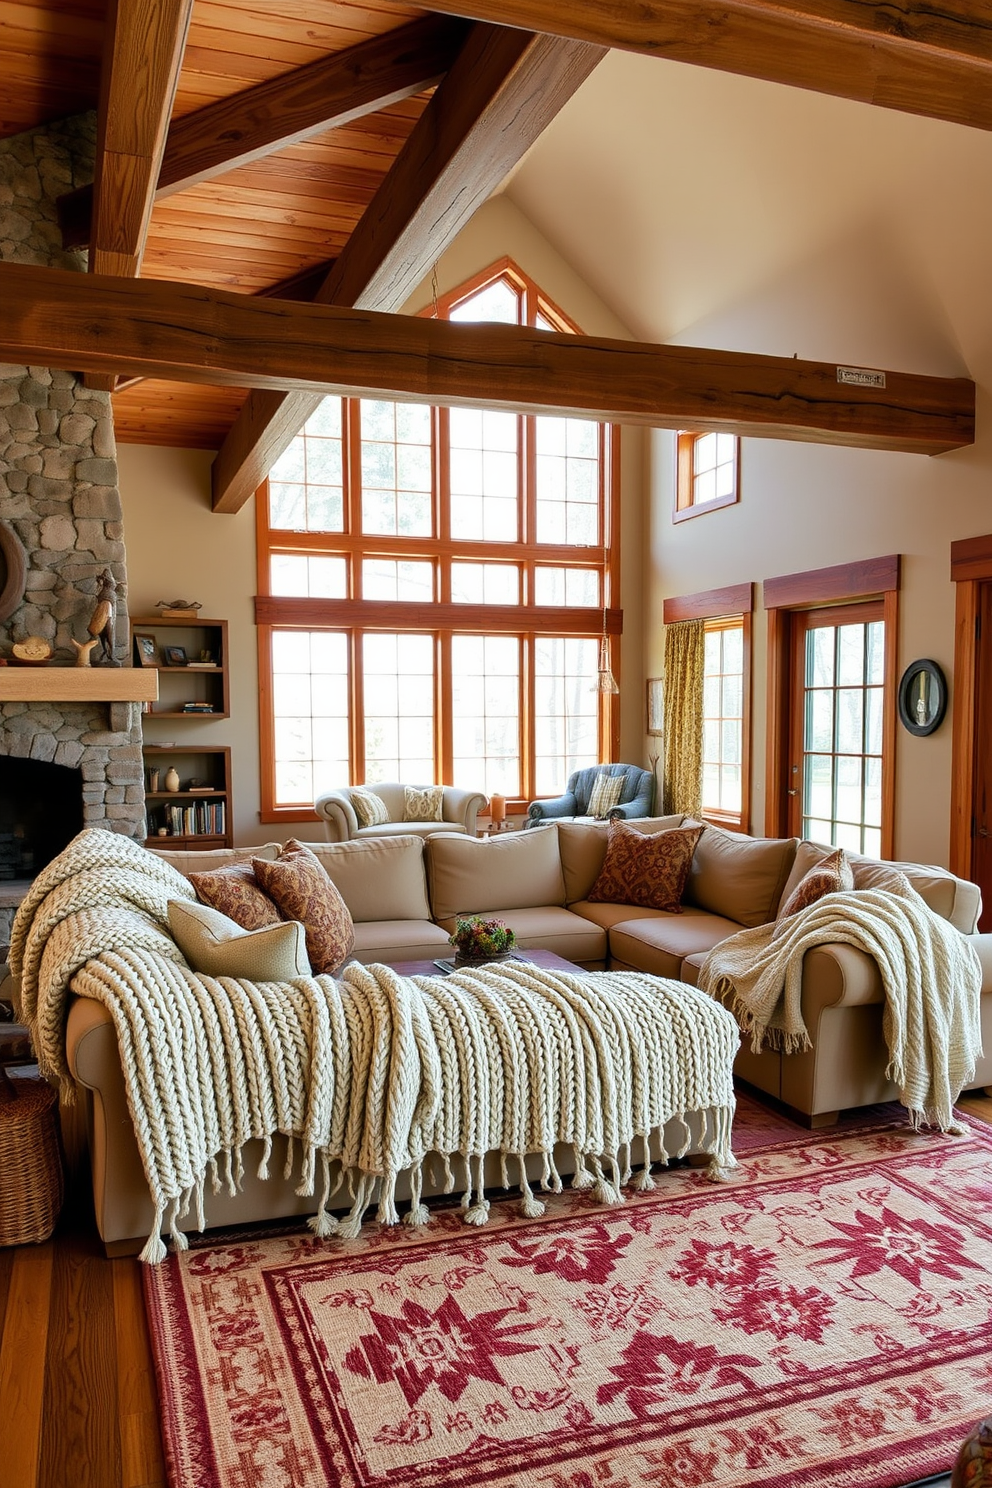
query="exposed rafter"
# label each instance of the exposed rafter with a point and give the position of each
(922, 58)
(323, 95)
(502, 91)
(55, 318)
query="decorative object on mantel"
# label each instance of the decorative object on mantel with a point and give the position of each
(83, 649)
(32, 651)
(178, 609)
(13, 571)
(101, 625)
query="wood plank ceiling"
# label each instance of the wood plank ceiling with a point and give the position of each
(217, 167)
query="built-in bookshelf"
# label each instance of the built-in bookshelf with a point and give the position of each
(190, 657)
(198, 814)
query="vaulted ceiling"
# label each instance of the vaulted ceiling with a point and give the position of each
(327, 151)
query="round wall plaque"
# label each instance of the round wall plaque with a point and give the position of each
(922, 697)
(13, 571)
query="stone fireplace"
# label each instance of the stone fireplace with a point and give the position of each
(59, 495)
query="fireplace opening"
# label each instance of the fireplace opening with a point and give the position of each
(41, 810)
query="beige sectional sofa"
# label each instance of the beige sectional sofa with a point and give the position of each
(404, 893)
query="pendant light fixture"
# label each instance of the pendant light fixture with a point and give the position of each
(605, 680)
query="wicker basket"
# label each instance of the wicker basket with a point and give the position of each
(30, 1164)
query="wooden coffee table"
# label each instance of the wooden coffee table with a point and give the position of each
(549, 960)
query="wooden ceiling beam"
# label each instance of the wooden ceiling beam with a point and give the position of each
(295, 106)
(187, 333)
(504, 88)
(933, 59)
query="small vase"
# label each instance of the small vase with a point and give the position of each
(172, 779)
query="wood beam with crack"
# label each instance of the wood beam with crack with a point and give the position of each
(295, 106)
(504, 89)
(188, 333)
(933, 59)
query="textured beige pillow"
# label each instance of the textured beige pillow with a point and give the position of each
(369, 808)
(216, 946)
(423, 804)
(302, 890)
(605, 794)
(647, 871)
(236, 893)
(828, 877)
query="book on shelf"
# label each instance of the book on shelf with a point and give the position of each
(198, 707)
(197, 819)
(201, 666)
(202, 790)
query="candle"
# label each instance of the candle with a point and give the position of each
(497, 809)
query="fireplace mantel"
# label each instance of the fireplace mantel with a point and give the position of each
(55, 684)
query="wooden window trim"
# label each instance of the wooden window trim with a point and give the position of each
(685, 507)
(709, 604)
(445, 618)
(873, 578)
(971, 566)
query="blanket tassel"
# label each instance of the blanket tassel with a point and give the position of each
(603, 1191)
(350, 1228)
(322, 1223)
(475, 1213)
(644, 1183)
(581, 1178)
(418, 1213)
(387, 1213)
(155, 1250)
(530, 1208)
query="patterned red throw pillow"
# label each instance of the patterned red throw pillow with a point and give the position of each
(830, 876)
(302, 890)
(234, 890)
(646, 870)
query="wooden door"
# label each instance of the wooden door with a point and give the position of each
(981, 846)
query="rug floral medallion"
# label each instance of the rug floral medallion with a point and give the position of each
(823, 1319)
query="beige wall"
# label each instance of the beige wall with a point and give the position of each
(178, 548)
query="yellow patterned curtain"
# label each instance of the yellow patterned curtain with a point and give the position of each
(684, 660)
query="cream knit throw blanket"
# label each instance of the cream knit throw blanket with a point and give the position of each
(371, 1073)
(930, 973)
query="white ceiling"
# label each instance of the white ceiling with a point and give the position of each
(727, 212)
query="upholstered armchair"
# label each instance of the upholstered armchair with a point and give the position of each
(636, 795)
(459, 809)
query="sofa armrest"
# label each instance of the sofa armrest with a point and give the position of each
(556, 806)
(340, 821)
(639, 806)
(463, 807)
(983, 945)
(836, 976)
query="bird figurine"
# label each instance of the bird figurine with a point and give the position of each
(101, 626)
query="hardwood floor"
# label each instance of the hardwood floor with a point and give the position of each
(78, 1403)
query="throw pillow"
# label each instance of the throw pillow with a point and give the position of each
(646, 871)
(302, 890)
(828, 877)
(369, 808)
(216, 946)
(423, 805)
(605, 794)
(236, 893)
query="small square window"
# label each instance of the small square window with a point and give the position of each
(707, 473)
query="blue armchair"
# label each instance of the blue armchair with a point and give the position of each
(636, 798)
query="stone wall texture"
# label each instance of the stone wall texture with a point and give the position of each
(59, 494)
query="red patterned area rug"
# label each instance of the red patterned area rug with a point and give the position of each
(823, 1319)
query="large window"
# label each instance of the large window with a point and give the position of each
(723, 720)
(433, 586)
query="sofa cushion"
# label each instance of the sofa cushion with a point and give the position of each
(236, 893)
(215, 857)
(830, 876)
(738, 877)
(379, 878)
(476, 875)
(954, 899)
(659, 946)
(216, 946)
(303, 891)
(608, 915)
(582, 848)
(395, 941)
(551, 928)
(605, 794)
(423, 803)
(370, 809)
(645, 870)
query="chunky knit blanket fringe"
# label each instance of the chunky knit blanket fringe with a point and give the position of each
(931, 976)
(375, 1073)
